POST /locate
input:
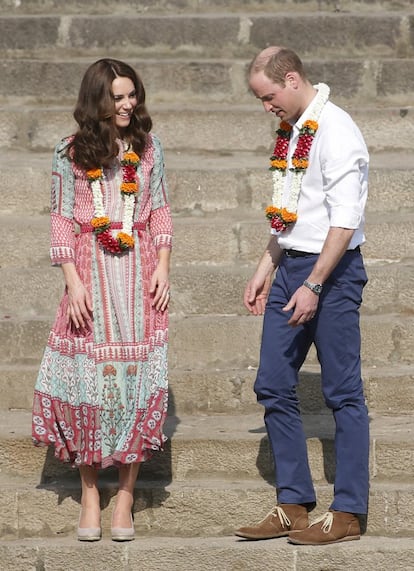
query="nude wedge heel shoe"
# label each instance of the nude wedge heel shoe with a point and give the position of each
(88, 533)
(123, 533)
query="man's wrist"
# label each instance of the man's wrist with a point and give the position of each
(316, 288)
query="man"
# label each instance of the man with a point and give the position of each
(320, 170)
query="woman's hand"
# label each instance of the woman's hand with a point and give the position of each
(79, 310)
(160, 284)
(79, 305)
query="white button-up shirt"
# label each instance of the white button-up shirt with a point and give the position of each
(335, 185)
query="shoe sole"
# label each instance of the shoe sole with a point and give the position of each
(255, 538)
(299, 542)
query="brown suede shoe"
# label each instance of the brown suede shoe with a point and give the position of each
(332, 527)
(282, 519)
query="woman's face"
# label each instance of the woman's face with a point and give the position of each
(125, 98)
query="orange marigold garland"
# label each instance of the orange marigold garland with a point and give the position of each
(102, 225)
(282, 217)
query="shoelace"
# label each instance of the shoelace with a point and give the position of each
(327, 519)
(283, 518)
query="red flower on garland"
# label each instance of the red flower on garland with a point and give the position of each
(102, 225)
(300, 159)
(281, 218)
(278, 161)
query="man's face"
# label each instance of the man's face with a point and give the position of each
(276, 98)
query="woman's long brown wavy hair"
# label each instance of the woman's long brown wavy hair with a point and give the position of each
(94, 143)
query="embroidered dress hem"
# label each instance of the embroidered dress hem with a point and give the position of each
(77, 442)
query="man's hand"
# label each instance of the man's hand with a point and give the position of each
(256, 294)
(257, 289)
(304, 304)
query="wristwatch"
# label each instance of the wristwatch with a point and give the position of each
(316, 288)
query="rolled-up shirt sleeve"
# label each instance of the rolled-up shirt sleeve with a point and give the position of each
(345, 174)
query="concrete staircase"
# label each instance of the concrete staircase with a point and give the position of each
(216, 472)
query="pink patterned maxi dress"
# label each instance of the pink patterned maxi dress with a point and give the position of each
(101, 393)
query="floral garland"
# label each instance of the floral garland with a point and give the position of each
(282, 217)
(101, 223)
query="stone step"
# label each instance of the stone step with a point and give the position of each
(207, 554)
(114, 7)
(379, 33)
(51, 508)
(243, 240)
(388, 390)
(189, 80)
(219, 341)
(38, 129)
(390, 288)
(202, 478)
(205, 183)
(224, 447)
(36, 291)
(233, 341)
(209, 240)
(202, 508)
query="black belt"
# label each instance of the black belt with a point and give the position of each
(300, 254)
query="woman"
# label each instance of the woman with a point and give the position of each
(101, 394)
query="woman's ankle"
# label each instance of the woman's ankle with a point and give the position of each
(122, 511)
(90, 516)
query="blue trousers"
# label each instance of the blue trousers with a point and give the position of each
(335, 331)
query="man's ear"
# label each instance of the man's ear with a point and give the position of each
(291, 79)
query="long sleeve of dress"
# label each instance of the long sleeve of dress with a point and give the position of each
(160, 223)
(62, 236)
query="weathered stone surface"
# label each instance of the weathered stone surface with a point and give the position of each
(210, 508)
(224, 446)
(353, 33)
(230, 391)
(206, 35)
(177, 6)
(16, 387)
(32, 238)
(216, 129)
(390, 389)
(199, 289)
(211, 240)
(224, 342)
(382, 235)
(45, 81)
(35, 292)
(201, 184)
(216, 79)
(27, 33)
(206, 554)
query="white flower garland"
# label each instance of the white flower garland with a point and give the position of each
(129, 204)
(296, 182)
